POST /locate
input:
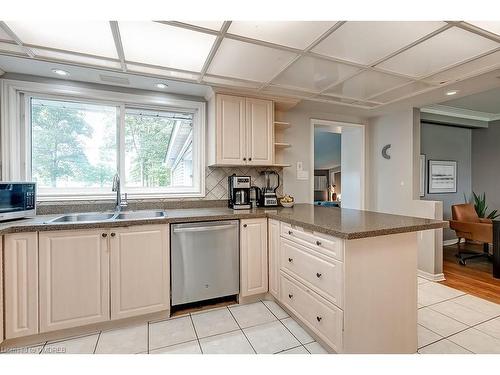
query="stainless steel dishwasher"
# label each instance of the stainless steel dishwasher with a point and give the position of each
(204, 261)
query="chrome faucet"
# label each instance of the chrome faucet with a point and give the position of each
(116, 187)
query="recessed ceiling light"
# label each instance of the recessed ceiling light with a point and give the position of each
(60, 72)
(452, 92)
(161, 85)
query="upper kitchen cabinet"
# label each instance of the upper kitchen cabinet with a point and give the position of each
(241, 131)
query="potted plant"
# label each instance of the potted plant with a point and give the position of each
(481, 207)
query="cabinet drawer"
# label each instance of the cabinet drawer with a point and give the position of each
(325, 277)
(328, 245)
(320, 316)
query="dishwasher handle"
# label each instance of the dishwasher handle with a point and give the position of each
(203, 229)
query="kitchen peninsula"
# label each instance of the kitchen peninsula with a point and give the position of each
(349, 276)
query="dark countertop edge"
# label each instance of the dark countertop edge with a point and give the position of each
(44, 226)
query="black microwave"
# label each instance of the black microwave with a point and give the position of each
(17, 200)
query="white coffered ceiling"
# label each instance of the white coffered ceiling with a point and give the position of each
(365, 64)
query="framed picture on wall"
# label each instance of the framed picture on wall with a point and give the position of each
(422, 175)
(442, 176)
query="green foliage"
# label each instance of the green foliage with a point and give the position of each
(146, 139)
(481, 207)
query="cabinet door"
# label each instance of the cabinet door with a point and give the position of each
(231, 136)
(1, 289)
(253, 251)
(140, 270)
(21, 284)
(260, 131)
(274, 266)
(74, 278)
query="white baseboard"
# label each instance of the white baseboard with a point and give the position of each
(431, 276)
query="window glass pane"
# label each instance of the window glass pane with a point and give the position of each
(155, 144)
(73, 145)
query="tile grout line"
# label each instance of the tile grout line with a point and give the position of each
(195, 333)
(296, 338)
(97, 342)
(241, 329)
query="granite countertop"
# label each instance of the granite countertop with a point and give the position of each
(338, 222)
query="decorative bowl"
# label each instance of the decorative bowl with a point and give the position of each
(287, 204)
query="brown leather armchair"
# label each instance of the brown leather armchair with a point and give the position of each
(471, 227)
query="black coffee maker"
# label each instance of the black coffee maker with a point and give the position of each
(239, 192)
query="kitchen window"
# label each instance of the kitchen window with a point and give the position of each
(74, 147)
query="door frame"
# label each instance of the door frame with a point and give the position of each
(337, 127)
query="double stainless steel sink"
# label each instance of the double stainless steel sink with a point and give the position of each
(108, 216)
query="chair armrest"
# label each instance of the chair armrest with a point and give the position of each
(482, 232)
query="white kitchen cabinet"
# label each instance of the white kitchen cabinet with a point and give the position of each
(21, 284)
(260, 131)
(240, 131)
(1, 290)
(253, 257)
(74, 278)
(140, 270)
(274, 266)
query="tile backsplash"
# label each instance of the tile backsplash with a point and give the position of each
(216, 179)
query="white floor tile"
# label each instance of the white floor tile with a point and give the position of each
(78, 345)
(214, 322)
(227, 343)
(129, 340)
(23, 350)
(461, 313)
(443, 347)
(297, 350)
(191, 347)
(491, 327)
(270, 338)
(315, 348)
(299, 332)
(426, 336)
(439, 323)
(276, 309)
(431, 293)
(477, 342)
(251, 314)
(478, 304)
(171, 332)
(421, 280)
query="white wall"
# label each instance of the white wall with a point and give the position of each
(393, 185)
(299, 135)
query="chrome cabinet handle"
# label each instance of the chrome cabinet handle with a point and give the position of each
(290, 260)
(244, 225)
(113, 234)
(244, 159)
(318, 318)
(104, 235)
(290, 232)
(249, 159)
(318, 275)
(318, 243)
(290, 295)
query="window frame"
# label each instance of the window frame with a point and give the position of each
(16, 126)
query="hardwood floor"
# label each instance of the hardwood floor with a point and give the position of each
(475, 278)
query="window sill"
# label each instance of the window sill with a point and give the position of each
(111, 197)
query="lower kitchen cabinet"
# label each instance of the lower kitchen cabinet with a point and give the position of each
(274, 254)
(140, 270)
(1, 290)
(74, 278)
(21, 284)
(253, 257)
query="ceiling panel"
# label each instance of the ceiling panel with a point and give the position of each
(401, 92)
(78, 59)
(313, 74)
(477, 66)
(212, 25)
(248, 61)
(163, 45)
(367, 84)
(4, 35)
(222, 81)
(491, 26)
(283, 91)
(137, 68)
(90, 37)
(447, 48)
(296, 34)
(366, 42)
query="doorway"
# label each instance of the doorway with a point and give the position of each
(338, 161)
